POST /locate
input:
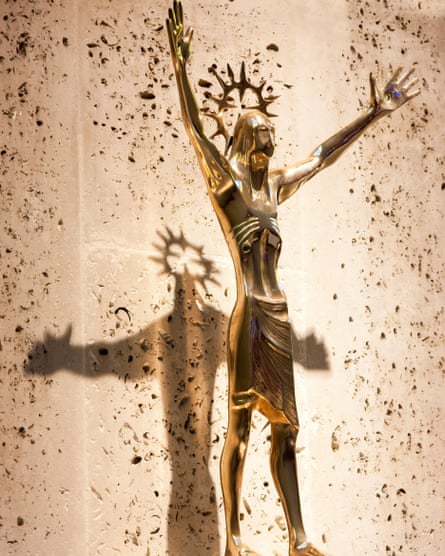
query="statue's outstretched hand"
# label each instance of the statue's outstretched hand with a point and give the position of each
(180, 40)
(398, 90)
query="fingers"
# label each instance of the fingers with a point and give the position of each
(178, 13)
(401, 76)
(175, 16)
(171, 35)
(171, 18)
(189, 35)
(407, 75)
(407, 84)
(404, 77)
(374, 91)
(410, 84)
(179, 38)
(171, 25)
(401, 84)
(412, 94)
(396, 75)
(172, 14)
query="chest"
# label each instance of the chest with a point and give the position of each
(237, 202)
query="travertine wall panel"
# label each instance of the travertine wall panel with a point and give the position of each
(117, 285)
(42, 417)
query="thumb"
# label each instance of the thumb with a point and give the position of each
(188, 38)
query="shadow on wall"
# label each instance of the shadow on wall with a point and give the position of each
(182, 350)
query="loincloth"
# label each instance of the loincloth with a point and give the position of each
(271, 372)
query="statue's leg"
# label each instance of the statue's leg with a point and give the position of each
(284, 471)
(232, 465)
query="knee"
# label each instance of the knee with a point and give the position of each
(233, 455)
(285, 435)
(237, 435)
(288, 431)
(292, 433)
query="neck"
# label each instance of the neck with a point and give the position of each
(259, 166)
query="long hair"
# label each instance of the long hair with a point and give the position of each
(244, 143)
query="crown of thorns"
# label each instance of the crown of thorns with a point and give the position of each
(225, 100)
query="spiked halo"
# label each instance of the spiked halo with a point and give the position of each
(225, 101)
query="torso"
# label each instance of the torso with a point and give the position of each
(249, 221)
(259, 334)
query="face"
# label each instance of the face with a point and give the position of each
(265, 139)
(253, 135)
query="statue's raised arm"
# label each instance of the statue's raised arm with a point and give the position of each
(180, 47)
(399, 89)
(212, 162)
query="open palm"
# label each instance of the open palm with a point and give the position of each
(398, 90)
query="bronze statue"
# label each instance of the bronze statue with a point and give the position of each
(245, 194)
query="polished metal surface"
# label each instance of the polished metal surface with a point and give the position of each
(246, 193)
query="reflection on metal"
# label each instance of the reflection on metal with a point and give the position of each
(245, 194)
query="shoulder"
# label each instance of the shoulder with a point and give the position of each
(224, 188)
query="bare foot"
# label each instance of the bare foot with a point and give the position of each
(240, 550)
(307, 549)
(244, 551)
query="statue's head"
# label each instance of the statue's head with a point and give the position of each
(254, 134)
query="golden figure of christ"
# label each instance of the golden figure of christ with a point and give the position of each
(245, 193)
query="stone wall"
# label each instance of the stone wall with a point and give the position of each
(117, 284)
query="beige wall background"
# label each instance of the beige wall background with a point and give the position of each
(117, 284)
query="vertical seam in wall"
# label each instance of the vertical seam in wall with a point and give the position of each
(81, 275)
